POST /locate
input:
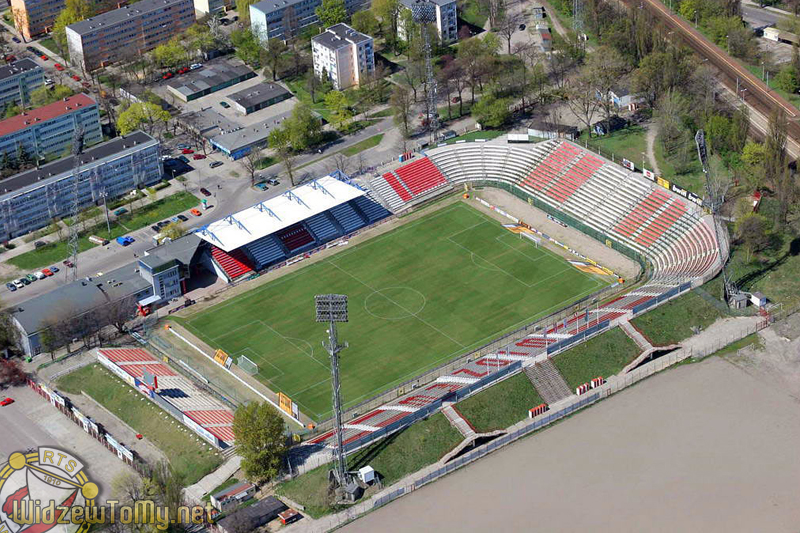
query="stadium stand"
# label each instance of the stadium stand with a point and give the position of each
(347, 218)
(673, 234)
(235, 264)
(296, 237)
(398, 187)
(322, 227)
(420, 176)
(370, 210)
(265, 251)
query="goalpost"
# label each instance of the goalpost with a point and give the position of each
(247, 365)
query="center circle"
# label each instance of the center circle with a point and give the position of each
(395, 303)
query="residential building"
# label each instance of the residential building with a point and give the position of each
(284, 19)
(446, 17)
(233, 496)
(343, 55)
(208, 79)
(47, 131)
(127, 32)
(206, 7)
(258, 97)
(34, 17)
(30, 200)
(17, 80)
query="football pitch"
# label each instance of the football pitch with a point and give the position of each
(419, 296)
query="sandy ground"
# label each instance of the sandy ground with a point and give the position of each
(702, 447)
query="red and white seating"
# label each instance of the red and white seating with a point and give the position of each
(235, 264)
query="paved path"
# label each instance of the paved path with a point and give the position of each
(195, 493)
(652, 133)
(635, 335)
(458, 421)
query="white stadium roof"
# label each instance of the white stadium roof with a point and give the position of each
(278, 213)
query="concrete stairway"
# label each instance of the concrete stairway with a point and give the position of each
(634, 334)
(547, 381)
(458, 421)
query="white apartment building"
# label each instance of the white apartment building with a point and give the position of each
(446, 17)
(344, 55)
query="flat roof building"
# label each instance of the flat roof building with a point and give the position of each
(18, 79)
(343, 55)
(446, 15)
(34, 17)
(239, 142)
(286, 19)
(258, 97)
(30, 200)
(47, 131)
(127, 32)
(251, 517)
(208, 79)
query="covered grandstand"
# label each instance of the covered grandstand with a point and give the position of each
(664, 228)
(296, 222)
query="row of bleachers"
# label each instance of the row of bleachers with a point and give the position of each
(347, 217)
(575, 176)
(382, 188)
(295, 237)
(420, 176)
(371, 210)
(265, 251)
(234, 263)
(398, 187)
(322, 227)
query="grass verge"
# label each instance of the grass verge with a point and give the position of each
(366, 144)
(672, 322)
(54, 253)
(604, 355)
(393, 458)
(473, 135)
(501, 405)
(189, 458)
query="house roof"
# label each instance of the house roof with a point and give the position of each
(209, 76)
(44, 113)
(182, 249)
(233, 490)
(339, 36)
(258, 94)
(255, 515)
(243, 136)
(268, 6)
(17, 67)
(58, 169)
(115, 16)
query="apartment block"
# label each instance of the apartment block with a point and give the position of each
(31, 199)
(446, 17)
(343, 55)
(283, 19)
(34, 17)
(128, 32)
(17, 80)
(47, 131)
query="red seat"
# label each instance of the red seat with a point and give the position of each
(235, 263)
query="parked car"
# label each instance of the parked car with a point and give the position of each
(11, 287)
(216, 164)
(184, 159)
(49, 82)
(44, 57)
(198, 156)
(183, 70)
(68, 263)
(196, 212)
(195, 66)
(47, 272)
(205, 191)
(6, 401)
(175, 220)
(59, 66)
(155, 228)
(125, 241)
(39, 244)
(18, 283)
(183, 218)
(456, 99)
(40, 275)
(10, 57)
(262, 186)
(187, 151)
(273, 181)
(163, 224)
(16, 40)
(76, 77)
(120, 211)
(521, 27)
(181, 146)
(25, 281)
(31, 278)
(448, 134)
(224, 104)
(54, 269)
(86, 85)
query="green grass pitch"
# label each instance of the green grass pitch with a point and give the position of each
(419, 295)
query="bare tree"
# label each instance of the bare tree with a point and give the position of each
(341, 162)
(507, 25)
(582, 101)
(604, 68)
(118, 313)
(402, 104)
(250, 164)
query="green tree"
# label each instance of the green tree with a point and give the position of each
(337, 104)
(11, 110)
(243, 8)
(260, 440)
(388, 13)
(753, 232)
(365, 22)
(146, 116)
(174, 231)
(402, 103)
(718, 132)
(753, 153)
(688, 9)
(247, 47)
(491, 111)
(787, 79)
(280, 141)
(272, 56)
(303, 128)
(48, 95)
(200, 38)
(74, 11)
(331, 12)
(170, 54)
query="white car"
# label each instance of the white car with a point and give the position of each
(18, 284)
(40, 275)
(195, 66)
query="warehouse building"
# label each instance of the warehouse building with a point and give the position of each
(30, 200)
(209, 79)
(258, 97)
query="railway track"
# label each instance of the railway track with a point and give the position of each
(733, 75)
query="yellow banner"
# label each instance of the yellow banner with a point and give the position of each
(285, 403)
(661, 181)
(220, 357)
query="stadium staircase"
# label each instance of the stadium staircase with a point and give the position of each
(235, 264)
(265, 251)
(457, 420)
(296, 237)
(347, 218)
(547, 381)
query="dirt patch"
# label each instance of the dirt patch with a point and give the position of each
(702, 447)
(609, 258)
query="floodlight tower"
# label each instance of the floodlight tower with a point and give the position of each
(715, 197)
(332, 308)
(424, 13)
(72, 242)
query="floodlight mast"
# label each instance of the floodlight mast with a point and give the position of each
(332, 308)
(424, 14)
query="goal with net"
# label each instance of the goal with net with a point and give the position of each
(247, 365)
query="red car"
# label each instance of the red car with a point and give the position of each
(44, 57)
(76, 77)
(7, 401)
(198, 156)
(47, 272)
(68, 263)
(167, 76)
(187, 151)
(86, 85)
(195, 212)
(10, 57)
(184, 70)
(59, 66)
